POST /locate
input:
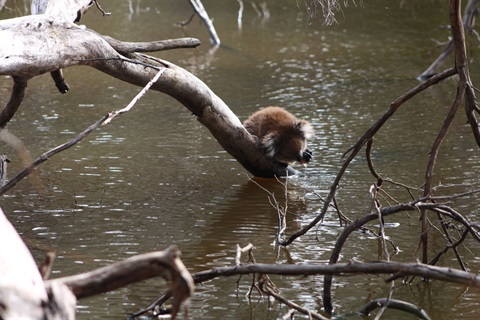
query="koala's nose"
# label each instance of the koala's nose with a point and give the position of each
(306, 156)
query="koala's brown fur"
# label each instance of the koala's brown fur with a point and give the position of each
(283, 136)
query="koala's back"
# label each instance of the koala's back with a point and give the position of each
(268, 120)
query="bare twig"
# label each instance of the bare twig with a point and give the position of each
(112, 115)
(352, 152)
(103, 121)
(105, 14)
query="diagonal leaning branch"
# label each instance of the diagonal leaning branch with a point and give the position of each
(26, 52)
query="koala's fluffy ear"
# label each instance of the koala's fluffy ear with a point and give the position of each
(269, 142)
(305, 128)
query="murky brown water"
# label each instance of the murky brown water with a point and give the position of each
(155, 177)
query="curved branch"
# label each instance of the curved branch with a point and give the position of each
(78, 46)
(411, 206)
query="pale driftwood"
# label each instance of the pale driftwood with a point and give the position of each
(22, 291)
(126, 48)
(75, 45)
(24, 294)
(202, 13)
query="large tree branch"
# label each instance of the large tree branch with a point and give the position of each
(28, 52)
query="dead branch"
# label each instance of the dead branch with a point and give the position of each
(23, 293)
(105, 14)
(125, 48)
(69, 11)
(420, 204)
(369, 134)
(345, 269)
(241, 250)
(461, 67)
(202, 13)
(43, 32)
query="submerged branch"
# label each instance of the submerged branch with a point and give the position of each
(394, 304)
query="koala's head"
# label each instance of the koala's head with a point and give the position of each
(288, 144)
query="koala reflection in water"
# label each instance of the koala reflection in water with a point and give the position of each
(283, 136)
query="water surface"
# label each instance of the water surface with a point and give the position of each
(155, 177)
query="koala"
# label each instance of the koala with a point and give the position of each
(283, 136)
